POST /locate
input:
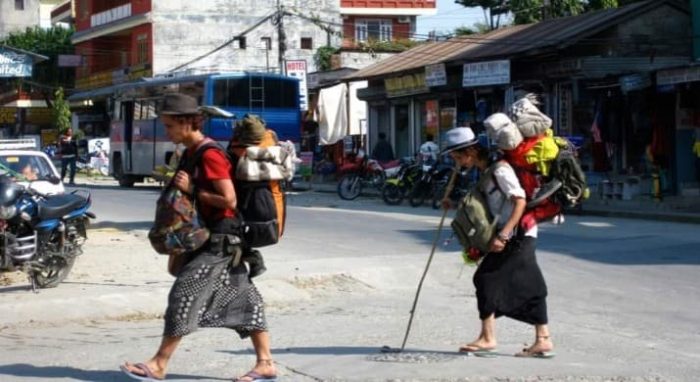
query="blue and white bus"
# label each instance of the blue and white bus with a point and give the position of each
(137, 138)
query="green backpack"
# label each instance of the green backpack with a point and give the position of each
(474, 225)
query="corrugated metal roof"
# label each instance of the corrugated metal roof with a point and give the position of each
(509, 41)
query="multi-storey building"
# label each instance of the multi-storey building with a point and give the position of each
(17, 15)
(122, 40)
(381, 20)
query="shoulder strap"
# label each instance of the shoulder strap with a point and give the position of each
(188, 164)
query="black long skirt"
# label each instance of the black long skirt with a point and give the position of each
(511, 284)
(210, 292)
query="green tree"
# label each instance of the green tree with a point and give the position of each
(48, 42)
(61, 112)
(323, 56)
(490, 8)
(477, 28)
(601, 4)
(530, 11)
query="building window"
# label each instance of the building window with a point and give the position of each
(241, 42)
(19, 5)
(83, 9)
(307, 43)
(266, 43)
(142, 49)
(372, 29)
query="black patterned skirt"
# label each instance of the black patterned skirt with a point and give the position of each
(511, 284)
(210, 292)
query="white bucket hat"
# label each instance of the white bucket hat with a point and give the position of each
(459, 138)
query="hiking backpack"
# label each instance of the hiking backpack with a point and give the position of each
(474, 225)
(564, 185)
(259, 172)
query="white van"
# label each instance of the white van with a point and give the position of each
(31, 168)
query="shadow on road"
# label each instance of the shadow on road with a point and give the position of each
(154, 188)
(64, 372)
(336, 350)
(123, 226)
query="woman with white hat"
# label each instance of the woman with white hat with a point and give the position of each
(508, 280)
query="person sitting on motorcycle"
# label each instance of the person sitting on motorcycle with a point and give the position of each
(383, 152)
(428, 151)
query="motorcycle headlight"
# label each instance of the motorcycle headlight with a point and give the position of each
(7, 212)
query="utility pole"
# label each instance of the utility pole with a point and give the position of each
(546, 8)
(281, 36)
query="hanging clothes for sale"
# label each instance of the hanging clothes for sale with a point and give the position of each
(332, 114)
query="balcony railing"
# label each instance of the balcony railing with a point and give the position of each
(387, 3)
(105, 17)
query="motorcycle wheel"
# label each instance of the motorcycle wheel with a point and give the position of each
(437, 196)
(349, 187)
(418, 194)
(55, 272)
(392, 194)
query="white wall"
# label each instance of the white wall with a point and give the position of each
(12, 20)
(185, 29)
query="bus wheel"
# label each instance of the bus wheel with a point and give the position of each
(123, 179)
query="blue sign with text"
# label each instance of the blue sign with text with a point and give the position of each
(13, 64)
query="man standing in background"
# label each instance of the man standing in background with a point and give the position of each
(69, 151)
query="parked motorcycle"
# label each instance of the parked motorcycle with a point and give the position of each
(424, 188)
(362, 172)
(395, 188)
(41, 235)
(459, 190)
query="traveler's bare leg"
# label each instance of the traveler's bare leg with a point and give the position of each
(159, 363)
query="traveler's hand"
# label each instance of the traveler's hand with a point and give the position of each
(446, 203)
(497, 245)
(182, 182)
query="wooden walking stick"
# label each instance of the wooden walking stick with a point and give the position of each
(448, 191)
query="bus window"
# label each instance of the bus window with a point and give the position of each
(232, 93)
(280, 93)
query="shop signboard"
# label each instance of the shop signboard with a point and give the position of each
(634, 82)
(406, 85)
(307, 163)
(14, 64)
(70, 60)
(486, 73)
(431, 117)
(7, 116)
(435, 75)
(677, 76)
(297, 69)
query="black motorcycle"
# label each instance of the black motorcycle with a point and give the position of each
(41, 235)
(460, 188)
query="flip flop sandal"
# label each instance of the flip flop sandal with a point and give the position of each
(479, 351)
(256, 377)
(147, 373)
(526, 353)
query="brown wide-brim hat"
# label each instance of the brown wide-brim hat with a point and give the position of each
(178, 104)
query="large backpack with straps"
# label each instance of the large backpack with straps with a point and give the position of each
(474, 224)
(552, 182)
(177, 227)
(259, 173)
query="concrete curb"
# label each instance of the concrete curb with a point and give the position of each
(677, 217)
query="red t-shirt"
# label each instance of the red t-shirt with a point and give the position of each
(213, 166)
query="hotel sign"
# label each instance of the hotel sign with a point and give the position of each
(13, 64)
(486, 73)
(406, 85)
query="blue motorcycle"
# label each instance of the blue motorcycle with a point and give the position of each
(41, 235)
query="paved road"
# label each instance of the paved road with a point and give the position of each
(623, 303)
